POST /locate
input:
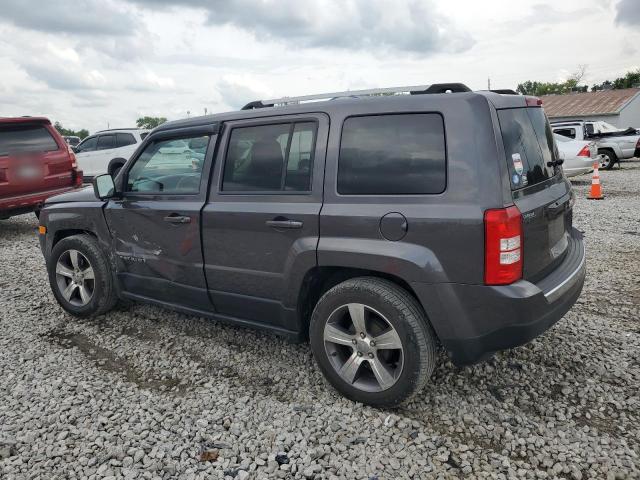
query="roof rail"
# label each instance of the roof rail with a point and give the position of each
(411, 90)
(123, 128)
(505, 91)
(573, 120)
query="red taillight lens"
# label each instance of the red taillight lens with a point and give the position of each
(77, 177)
(533, 101)
(585, 152)
(502, 246)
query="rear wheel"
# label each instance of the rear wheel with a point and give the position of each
(372, 341)
(80, 277)
(607, 159)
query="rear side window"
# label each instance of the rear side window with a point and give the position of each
(566, 132)
(106, 142)
(124, 139)
(270, 158)
(528, 145)
(33, 138)
(392, 154)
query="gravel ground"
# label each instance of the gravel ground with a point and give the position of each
(147, 393)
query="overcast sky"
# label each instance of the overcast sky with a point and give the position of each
(93, 63)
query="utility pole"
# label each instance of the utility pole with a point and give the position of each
(489, 83)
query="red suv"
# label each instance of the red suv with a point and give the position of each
(35, 163)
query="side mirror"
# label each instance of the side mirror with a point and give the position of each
(103, 186)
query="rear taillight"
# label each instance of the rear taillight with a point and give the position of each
(585, 152)
(502, 246)
(76, 177)
(74, 161)
(533, 101)
(638, 144)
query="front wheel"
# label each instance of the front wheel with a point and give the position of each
(372, 342)
(80, 277)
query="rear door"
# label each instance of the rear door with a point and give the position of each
(260, 225)
(32, 159)
(540, 190)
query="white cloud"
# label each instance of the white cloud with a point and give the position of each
(110, 61)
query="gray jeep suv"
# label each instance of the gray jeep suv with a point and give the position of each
(376, 224)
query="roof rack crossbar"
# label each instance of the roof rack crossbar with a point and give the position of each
(411, 90)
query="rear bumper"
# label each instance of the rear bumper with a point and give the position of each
(474, 321)
(28, 202)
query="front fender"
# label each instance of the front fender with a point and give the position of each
(59, 218)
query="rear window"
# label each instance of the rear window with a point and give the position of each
(392, 154)
(528, 145)
(33, 138)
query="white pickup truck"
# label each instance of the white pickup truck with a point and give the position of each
(613, 144)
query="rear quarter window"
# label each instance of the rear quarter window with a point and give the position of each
(395, 154)
(22, 138)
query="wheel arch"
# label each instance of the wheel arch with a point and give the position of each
(320, 279)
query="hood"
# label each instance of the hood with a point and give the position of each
(83, 195)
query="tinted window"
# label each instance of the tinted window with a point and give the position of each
(392, 154)
(566, 132)
(106, 141)
(26, 139)
(124, 139)
(88, 144)
(270, 158)
(169, 167)
(528, 145)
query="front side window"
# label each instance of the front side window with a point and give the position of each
(88, 145)
(169, 167)
(19, 139)
(270, 158)
(392, 154)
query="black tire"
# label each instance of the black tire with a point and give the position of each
(104, 296)
(608, 159)
(403, 313)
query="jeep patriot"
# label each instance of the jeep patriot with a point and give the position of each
(376, 224)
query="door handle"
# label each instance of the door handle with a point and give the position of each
(284, 223)
(175, 218)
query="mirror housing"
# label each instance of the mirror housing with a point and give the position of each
(104, 187)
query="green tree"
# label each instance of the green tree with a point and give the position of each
(83, 133)
(630, 79)
(150, 122)
(555, 88)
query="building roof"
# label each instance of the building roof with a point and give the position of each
(603, 102)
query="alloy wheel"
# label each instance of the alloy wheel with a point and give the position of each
(75, 278)
(363, 347)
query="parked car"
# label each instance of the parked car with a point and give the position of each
(613, 144)
(364, 225)
(72, 140)
(578, 155)
(35, 163)
(108, 150)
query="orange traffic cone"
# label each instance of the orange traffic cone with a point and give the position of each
(596, 192)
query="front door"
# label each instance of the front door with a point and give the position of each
(260, 225)
(155, 226)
